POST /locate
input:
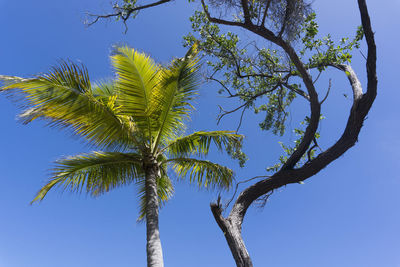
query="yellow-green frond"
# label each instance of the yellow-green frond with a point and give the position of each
(137, 76)
(94, 173)
(173, 96)
(70, 75)
(64, 98)
(199, 143)
(203, 172)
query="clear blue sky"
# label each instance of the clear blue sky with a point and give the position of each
(348, 215)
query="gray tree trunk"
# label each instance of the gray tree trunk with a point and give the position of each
(235, 241)
(232, 229)
(153, 247)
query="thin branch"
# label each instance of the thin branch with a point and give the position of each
(246, 103)
(218, 21)
(124, 13)
(265, 12)
(242, 182)
(237, 61)
(311, 149)
(223, 86)
(234, 58)
(327, 92)
(241, 119)
(229, 112)
(287, 14)
(362, 54)
(262, 201)
(316, 79)
(297, 91)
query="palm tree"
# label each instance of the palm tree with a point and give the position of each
(137, 120)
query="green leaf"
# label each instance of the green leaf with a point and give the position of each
(202, 172)
(199, 143)
(94, 173)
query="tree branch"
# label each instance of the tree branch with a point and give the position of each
(265, 13)
(307, 80)
(125, 14)
(247, 102)
(246, 13)
(218, 21)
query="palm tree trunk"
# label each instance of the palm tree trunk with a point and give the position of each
(153, 247)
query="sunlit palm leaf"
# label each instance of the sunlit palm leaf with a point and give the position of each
(136, 78)
(65, 99)
(178, 87)
(199, 143)
(203, 172)
(102, 90)
(70, 75)
(94, 173)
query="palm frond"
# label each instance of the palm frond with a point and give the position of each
(94, 173)
(136, 78)
(173, 96)
(70, 75)
(64, 98)
(203, 172)
(104, 89)
(199, 143)
(165, 190)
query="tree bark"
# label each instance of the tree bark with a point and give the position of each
(153, 246)
(233, 235)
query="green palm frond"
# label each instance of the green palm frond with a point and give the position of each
(104, 89)
(165, 190)
(199, 143)
(203, 172)
(172, 98)
(65, 99)
(137, 75)
(70, 75)
(94, 173)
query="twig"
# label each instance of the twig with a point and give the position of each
(242, 182)
(316, 79)
(241, 119)
(124, 13)
(327, 93)
(222, 84)
(363, 55)
(246, 103)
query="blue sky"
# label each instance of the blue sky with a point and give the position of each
(346, 216)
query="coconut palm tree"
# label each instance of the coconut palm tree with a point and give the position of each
(137, 120)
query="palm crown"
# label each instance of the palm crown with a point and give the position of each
(138, 120)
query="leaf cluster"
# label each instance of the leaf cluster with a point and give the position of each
(263, 78)
(324, 52)
(138, 120)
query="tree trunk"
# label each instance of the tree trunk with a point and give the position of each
(153, 246)
(235, 241)
(233, 234)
